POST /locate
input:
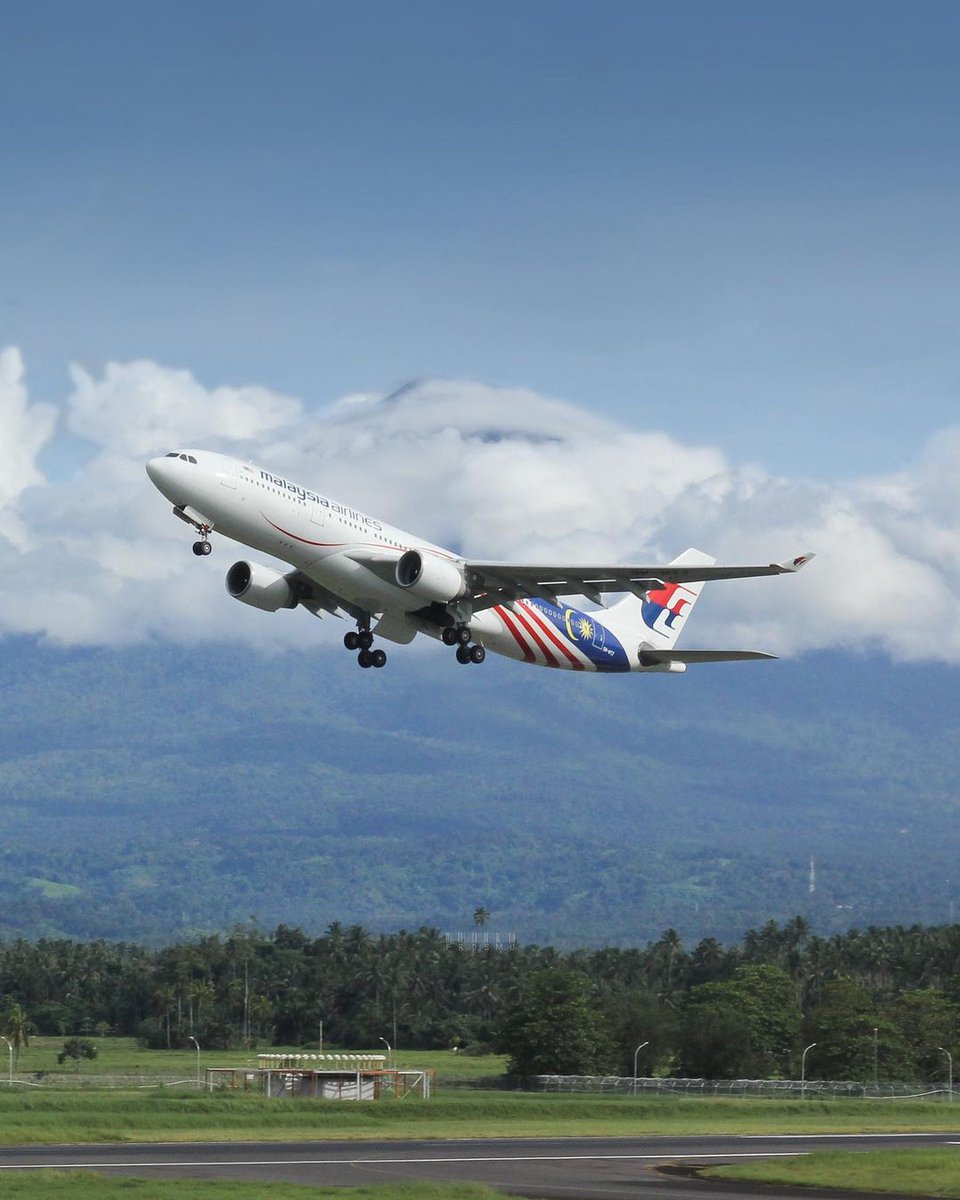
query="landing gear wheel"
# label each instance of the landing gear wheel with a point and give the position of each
(364, 639)
(477, 654)
(352, 640)
(463, 654)
(365, 658)
(202, 549)
(378, 658)
(463, 635)
(448, 635)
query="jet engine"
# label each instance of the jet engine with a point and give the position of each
(430, 576)
(263, 587)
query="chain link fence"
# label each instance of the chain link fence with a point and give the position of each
(77, 1079)
(789, 1089)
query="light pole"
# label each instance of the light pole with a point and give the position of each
(197, 1044)
(876, 1058)
(388, 1046)
(949, 1071)
(635, 1053)
(803, 1071)
(10, 1055)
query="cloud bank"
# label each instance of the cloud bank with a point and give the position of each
(94, 556)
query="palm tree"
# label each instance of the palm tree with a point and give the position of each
(17, 1028)
(164, 999)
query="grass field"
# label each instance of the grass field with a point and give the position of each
(167, 1115)
(917, 1172)
(122, 1056)
(85, 1185)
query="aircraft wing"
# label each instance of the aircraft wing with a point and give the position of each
(511, 580)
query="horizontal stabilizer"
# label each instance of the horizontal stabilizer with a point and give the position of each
(651, 658)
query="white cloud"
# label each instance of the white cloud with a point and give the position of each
(25, 430)
(498, 472)
(140, 408)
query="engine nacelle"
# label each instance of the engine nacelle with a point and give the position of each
(262, 587)
(431, 577)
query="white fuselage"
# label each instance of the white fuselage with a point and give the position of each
(352, 555)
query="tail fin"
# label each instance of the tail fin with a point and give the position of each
(659, 618)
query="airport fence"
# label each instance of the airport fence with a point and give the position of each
(775, 1089)
(56, 1080)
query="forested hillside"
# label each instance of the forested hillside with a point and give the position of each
(883, 1002)
(148, 794)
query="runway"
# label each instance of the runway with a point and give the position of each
(554, 1168)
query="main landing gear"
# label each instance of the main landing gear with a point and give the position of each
(459, 636)
(362, 640)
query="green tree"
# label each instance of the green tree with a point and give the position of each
(77, 1049)
(17, 1028)
(554, 1029)
(747, 1026)
(929, 1024)
(853, 1040)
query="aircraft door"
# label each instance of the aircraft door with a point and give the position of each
(228, 472)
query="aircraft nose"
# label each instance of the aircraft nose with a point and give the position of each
(161, 476)
(155, 470)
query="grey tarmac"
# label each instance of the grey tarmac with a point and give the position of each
(598, 1168)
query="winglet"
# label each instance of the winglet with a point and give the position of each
(794, 564)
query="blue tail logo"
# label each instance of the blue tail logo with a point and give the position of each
(664, 611)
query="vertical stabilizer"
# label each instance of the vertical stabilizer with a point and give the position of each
(659, 618)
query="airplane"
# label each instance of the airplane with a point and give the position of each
(394, 585)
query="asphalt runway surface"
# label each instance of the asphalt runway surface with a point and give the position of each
(567, 1168)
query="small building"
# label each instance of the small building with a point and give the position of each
(325, 1077)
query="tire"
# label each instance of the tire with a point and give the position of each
(477, 654)
(352, 640)
(365, 659)
(463, 654)
(378, 657)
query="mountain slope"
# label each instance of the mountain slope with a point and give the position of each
(152, 792)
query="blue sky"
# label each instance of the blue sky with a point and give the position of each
(736, 223)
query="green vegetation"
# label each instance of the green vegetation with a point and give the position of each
(884, 1003)
(86, 1185)
(916, 1172)
(124, 1056)
(167, 1115)
(707, 796)
(553, 1028)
